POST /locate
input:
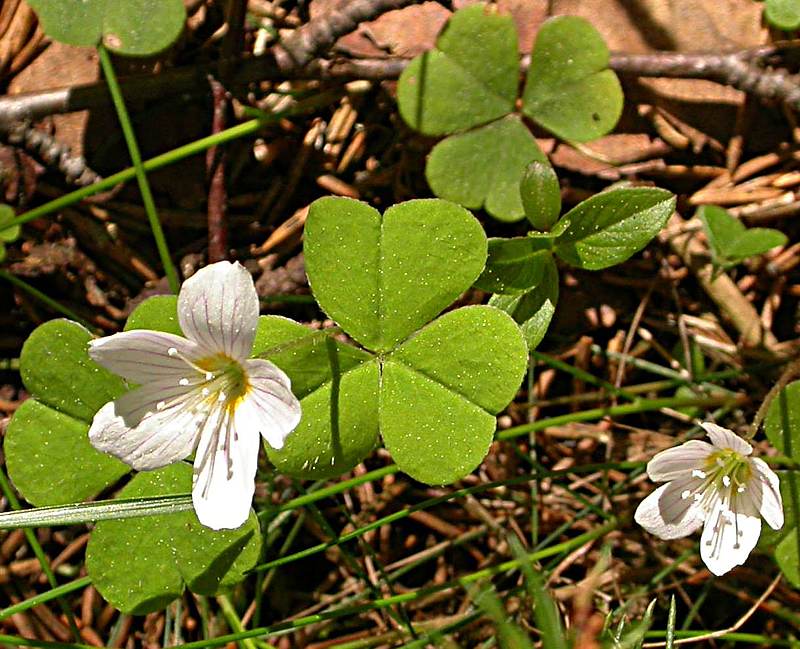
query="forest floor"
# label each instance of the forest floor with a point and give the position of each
(656, 327)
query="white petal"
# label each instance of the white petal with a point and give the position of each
(270, 407)
(225, 468)
(728, 538)
(765, 491)
(142, 356)
(218, 309)
(724, 438)
(158, 440)
(667, 514)
(674, 462)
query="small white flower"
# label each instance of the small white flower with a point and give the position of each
(199, 393)
(718, 486)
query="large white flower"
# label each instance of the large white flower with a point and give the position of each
(716, 485)
(200, 393)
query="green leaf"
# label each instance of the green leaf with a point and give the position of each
(541, 195)
(611, 226)
(515, 265)
(483, 167)
(339, 427)
(534, 309)
(381, 278)
(159, 313)
(133, 27)
(782, 427)
(782, 423)
(338, 392)
(730, 241)
(50, 459)
(168, 551)
(783, 14)
(470, 78)
(569, 88)
(6, 215)
(441, 389)
(56, 369)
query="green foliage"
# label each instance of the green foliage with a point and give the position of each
(431, 393)
(730, 241)
(602, 231)
(482, 167)
(382, 278)
(783, 14)
(611, 226)
(48, 454)
(468, 79)
(466, 88)
(7, 235)
(534, 308)
(141, 564)
(569, 89)
(782, 427)
(120, 26)
(541, 195)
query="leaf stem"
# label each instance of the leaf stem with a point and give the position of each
(136, 159)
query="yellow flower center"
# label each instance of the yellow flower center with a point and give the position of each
(226, 380)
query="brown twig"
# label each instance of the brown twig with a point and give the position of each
(738, 69)
(319, 34)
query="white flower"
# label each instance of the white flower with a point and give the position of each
(199, 393)
(718, 486)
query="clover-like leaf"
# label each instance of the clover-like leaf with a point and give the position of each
(483, 167)
(515, 265)
(338, 392)
(132, 27)
(383, 277)
(534, 309)
(48, 454)
(540, 194)
(782, 427)
(611, 226)
(441, 389)
(569, 89)
(141, 564)
(783, 14)
(730, 241)
(470, 78)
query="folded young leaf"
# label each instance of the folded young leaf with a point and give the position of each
(541, 195)
(515, 265)
(534, 309)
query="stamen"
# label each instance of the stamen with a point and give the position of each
(183, 381)
(697, 473)
(685, 494)
(726, 480)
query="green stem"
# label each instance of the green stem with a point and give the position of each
(141, 175)
(638, 406)
(11, 497)
(53, 593)
(50, 302)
